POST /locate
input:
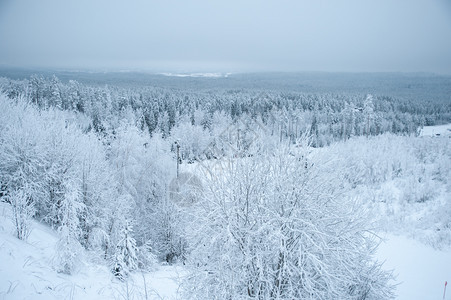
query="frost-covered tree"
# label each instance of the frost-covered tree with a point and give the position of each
(40, 153)
(142, 170)
(68, 247)
(368, 112)
(23, 210)
(126, 254)
(278, 227)
(170, 234)
(98, 193)
(164, 125)
(21, 162)
(55, 93)
(193, 141)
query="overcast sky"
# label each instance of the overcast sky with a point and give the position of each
(228, 36)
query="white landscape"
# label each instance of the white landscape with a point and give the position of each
(225, 150)
(129, 222)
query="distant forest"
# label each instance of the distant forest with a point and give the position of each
(329, 106)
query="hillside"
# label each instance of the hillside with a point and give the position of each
(27, 272)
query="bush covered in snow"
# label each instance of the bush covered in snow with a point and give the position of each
(274, 227)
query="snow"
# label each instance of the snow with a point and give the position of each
(27, 272)
(439, 130)
(203, 75)
(27, 269)
(421, 270)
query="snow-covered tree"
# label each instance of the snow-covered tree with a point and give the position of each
(68, 247)
(126, 254)
(23, 210)
(278, 227)
(142, 169)
(368, 112)
(55, 93)
(21, 171)
(98, 189)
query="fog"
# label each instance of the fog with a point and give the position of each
(228, 36)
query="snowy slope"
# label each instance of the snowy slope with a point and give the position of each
(26, 271)
(421, 270)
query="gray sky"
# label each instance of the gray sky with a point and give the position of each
(228, 36)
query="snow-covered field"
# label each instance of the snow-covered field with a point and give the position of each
(439, 130)
(26, 271)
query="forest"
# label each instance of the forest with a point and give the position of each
(259, 190)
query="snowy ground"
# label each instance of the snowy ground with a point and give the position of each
(442, 130)
(26, 272)
(421, 270)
